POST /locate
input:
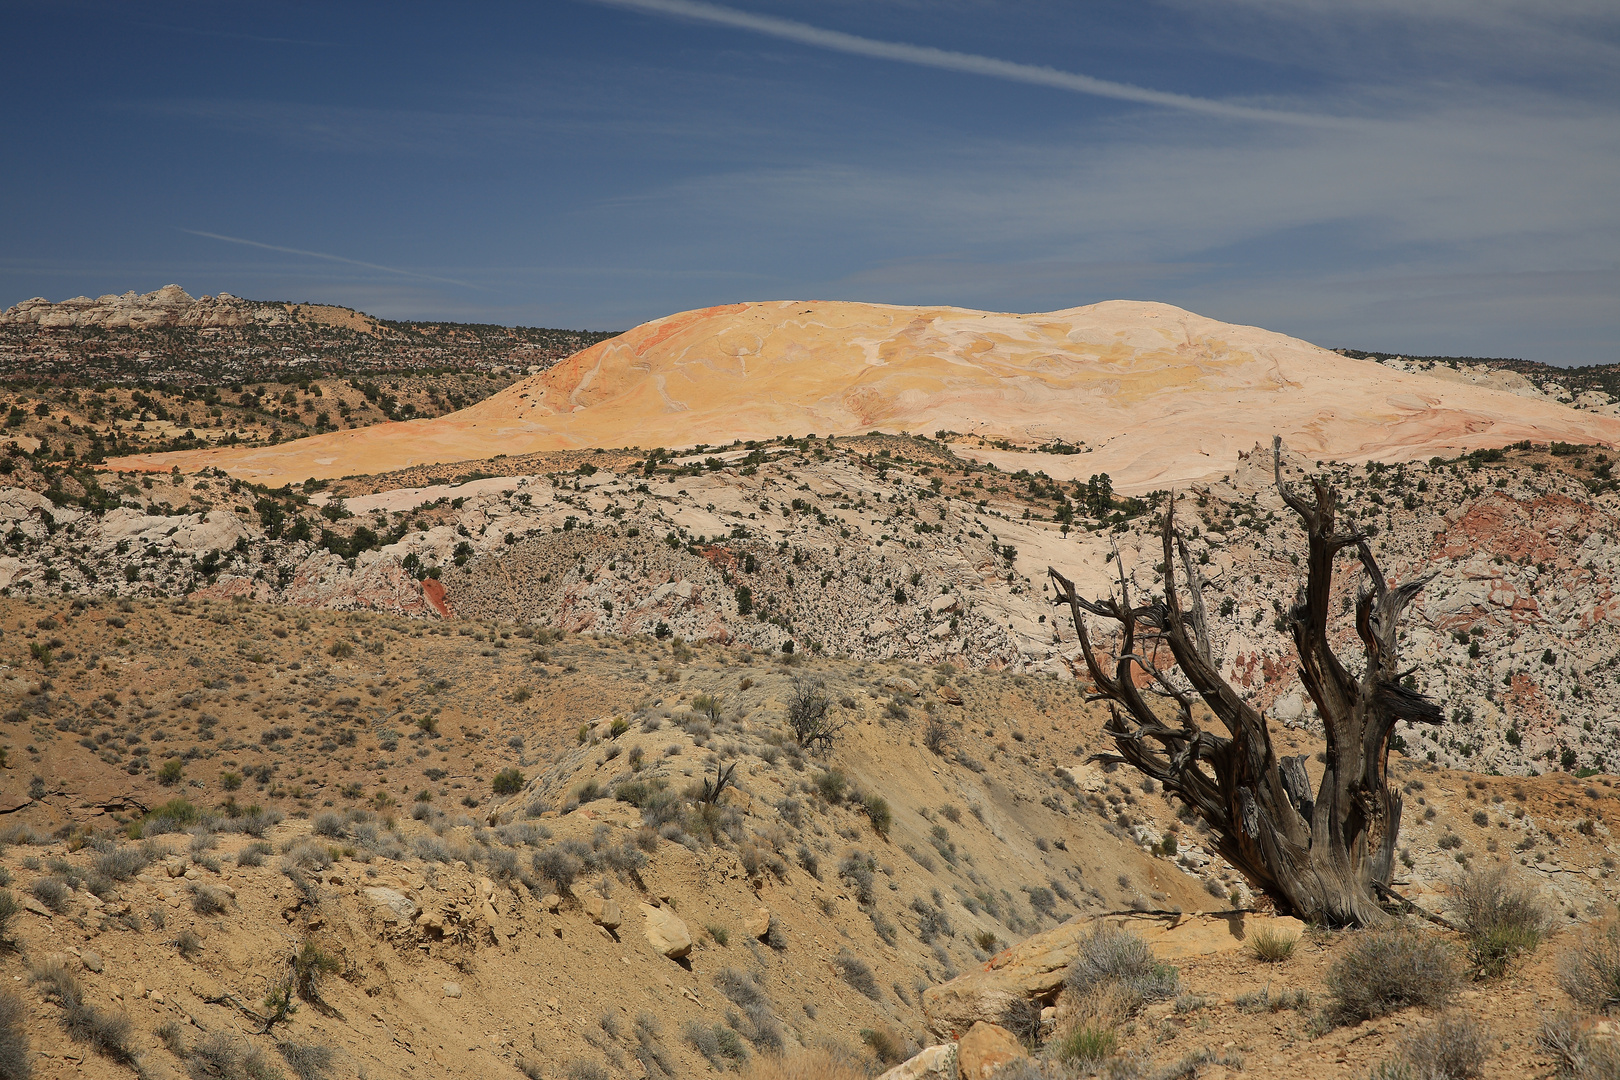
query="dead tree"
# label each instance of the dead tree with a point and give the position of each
(1327, 856)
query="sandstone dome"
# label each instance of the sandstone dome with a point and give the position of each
(1157, 395)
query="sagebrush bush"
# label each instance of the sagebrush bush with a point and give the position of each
(9, 910)
(121, 863)
(104, 1032)
(207, 900)
(858, 974)
(52, 892)
(308, 1061)
(218, 1056)
(1590, 971)
(311, 964)
(1501, 915)
(1381, 971)
(1577, 1053)
(1115, 957)
(1452, 1048)
(16, 1058)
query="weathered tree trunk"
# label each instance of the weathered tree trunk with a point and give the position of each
(1328, 859)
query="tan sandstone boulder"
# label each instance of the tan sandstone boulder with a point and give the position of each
(984, 1050)
(666, 931)
(934, 1063)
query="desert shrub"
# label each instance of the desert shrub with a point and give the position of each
(327, 825)
(719, 934)
(1590, 971)
(831, 784)
(121, 863)
(1501, 916)
(253, 854)
(1114, 957)
(310, 965)
(1579, 1055)
(1452, 1048)
(51, 891)
(16, 1060)
(878, 812)
(741, 989)
(718, 1044)
(9, 910)
(217, 1056)
(889, 1045)
(858, 974)
(308, 1061)
(207, 900)
(105, 1033)
(558, 866)
(1381, 971)
(581, 1069)
(509, 781)
(1022, 1017)
(172, 1038)
(1272, 946)
(857, 870)
(189, 944)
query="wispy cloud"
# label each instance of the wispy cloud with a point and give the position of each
(330, 258)
(968, 63)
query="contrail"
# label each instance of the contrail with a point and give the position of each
(331, 258)
(972, 64)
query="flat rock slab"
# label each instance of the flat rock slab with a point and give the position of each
(1034, 968)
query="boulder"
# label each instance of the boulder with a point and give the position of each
(452, 990)
(395, 905)
(758, 924)
(934, 1063)
(603, 912)
(1033, 969)
(950, 695)
(666, 932)
(984, 1050)
(91, 960)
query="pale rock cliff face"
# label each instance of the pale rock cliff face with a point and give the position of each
(170, 306)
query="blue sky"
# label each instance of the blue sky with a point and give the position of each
(1435, 176)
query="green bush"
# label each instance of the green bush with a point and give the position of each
(878, 812)
(508, 781)
(1272, 946)
(173, 771)
(1382, 971)
(1087, 1045)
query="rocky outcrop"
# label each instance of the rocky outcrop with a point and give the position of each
(167, 307)
(1033, 969)
(934, 1063)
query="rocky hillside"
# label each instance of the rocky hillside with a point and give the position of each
(886, 548)
(474, 846)
(168, 337)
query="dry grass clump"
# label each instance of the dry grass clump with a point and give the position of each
(1501, 915)
(106, 1033)
(16, 1060)
(818, 1063)
(1270, 945)
(1382, 971)
(1590, 971)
